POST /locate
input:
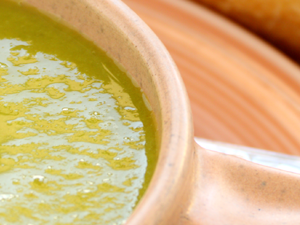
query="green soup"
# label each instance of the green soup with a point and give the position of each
(77, 141)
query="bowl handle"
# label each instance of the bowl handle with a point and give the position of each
(229, 190)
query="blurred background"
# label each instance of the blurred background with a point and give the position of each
(277, 21)
(239, 62)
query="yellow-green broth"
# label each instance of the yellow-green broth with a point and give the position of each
(77, 142)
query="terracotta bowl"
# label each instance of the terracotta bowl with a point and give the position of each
(190, 185)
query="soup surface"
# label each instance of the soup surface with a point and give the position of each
(77, 141)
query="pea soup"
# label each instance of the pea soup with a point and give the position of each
(77, 142)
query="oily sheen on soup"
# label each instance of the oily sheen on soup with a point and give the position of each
(77, 143)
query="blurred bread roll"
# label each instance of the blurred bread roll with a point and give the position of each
(277, 21)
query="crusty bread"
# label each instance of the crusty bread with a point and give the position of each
(278, 21)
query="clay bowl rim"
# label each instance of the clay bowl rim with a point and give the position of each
(176, 138)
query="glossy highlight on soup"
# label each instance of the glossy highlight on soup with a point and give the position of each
(77, 142)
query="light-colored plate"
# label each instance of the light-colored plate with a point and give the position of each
(258, 156)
